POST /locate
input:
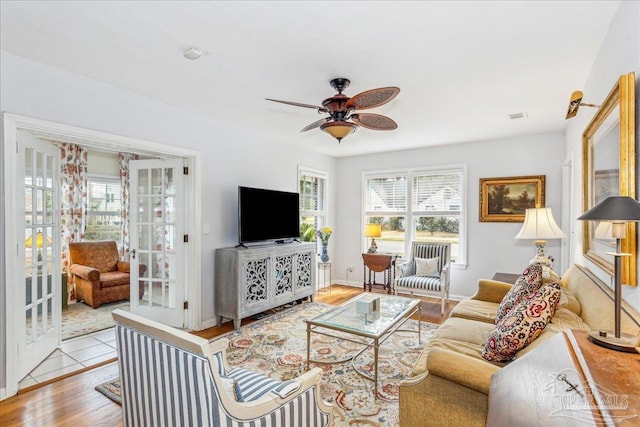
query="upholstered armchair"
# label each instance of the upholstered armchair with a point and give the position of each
(172, 377)
(426, 272)
(98, 274)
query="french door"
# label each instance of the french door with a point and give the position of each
(39, 290)
(157, 240)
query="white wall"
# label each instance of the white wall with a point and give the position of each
(230, 156)
(491, 246)
(619, 54)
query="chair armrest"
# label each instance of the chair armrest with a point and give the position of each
(124, 266)
(491, 290)
(462, 369)
(85, 272)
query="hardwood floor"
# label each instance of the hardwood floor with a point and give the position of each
(72, 401)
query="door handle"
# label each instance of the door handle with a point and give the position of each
(133, 254)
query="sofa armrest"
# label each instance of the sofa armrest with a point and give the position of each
(459, 368)
(85, 272)
(491, 290)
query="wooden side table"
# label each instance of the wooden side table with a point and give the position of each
(506, 277)
(567, 381)
(379, 263)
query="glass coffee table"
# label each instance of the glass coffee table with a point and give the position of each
(370, 330)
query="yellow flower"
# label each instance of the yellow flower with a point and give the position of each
(324, 233)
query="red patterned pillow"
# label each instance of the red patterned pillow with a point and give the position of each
(529, 282)
(522, 325)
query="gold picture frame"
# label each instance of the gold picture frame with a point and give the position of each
(609, 169)
(506, 199)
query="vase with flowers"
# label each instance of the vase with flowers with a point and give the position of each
(324, 234)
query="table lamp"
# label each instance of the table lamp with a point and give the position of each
(372, 230)
(538, 226)
(618, 210)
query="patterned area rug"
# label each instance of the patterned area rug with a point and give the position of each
(81, 319)
(276, 346)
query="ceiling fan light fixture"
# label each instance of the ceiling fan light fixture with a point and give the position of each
(338, 129)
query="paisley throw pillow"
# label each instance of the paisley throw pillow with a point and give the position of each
(529, 282)
(522, 325)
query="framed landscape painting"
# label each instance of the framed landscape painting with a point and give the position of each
(506, 199)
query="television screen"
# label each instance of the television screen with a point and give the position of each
(267, 215)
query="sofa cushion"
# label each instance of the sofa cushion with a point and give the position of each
(427, 267)
(461, 347)
(569, 301)
(522, 324)
(566, 319)
(465, 330)
(114, 278)
(529, 282)
(482, 311)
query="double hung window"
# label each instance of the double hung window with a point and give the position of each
(312, 187)
(104, 213)
(423, 205)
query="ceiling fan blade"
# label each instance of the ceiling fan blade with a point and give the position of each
(316, 124)
(373, 98)
(374, 121)
(298, 104)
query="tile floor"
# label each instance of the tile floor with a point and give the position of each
(73, 355)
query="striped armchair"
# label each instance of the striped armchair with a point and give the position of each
(426, 272)
(173, 378)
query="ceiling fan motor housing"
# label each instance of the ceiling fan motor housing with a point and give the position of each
(337, 106)
(340, 84)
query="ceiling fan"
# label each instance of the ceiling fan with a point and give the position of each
(343, 116)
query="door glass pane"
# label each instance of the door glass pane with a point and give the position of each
(39, 205)
(157, 234)
(143, 182)
(170, 183)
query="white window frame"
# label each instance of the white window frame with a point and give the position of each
(409, 215)
(106, 179)
(321, 214)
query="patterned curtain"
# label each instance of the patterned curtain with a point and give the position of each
(124, 159)
(73, 205)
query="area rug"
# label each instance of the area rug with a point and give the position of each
(80, 319)
(276, 346)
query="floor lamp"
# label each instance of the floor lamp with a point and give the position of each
(618, 210)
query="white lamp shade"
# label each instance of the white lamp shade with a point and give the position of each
(539, 225)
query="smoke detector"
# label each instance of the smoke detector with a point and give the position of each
(192, 53)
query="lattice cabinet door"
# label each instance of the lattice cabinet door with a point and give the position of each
(305, 271)
(256, 281)
(283, 280)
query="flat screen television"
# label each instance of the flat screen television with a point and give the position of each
(267, 215)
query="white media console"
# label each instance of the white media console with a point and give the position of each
(254, 279)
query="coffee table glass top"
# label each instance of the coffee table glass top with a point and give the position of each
(346, 318)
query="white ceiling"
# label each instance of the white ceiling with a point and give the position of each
(462, 66)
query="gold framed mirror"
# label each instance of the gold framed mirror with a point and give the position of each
(609, 169)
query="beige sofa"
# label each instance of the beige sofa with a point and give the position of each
(449, 384)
